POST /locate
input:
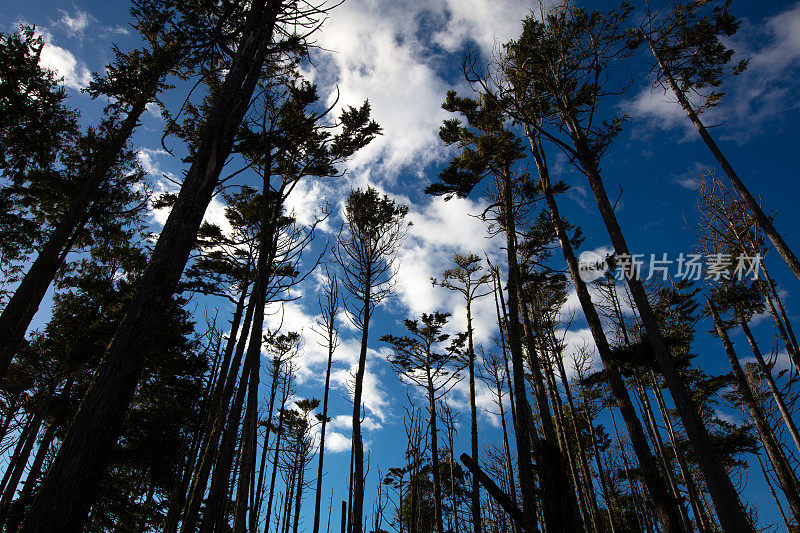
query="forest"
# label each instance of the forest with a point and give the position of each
(234, 298)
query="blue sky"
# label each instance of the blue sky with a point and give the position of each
(403, 56)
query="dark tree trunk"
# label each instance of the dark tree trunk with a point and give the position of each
(783, 471)
(437, 481)
(259, 492)
(730, 511)
(24, 303)
(473, 419)
(524, 425)
(217, 425)
(357, 507)
(691, 488)
(665, 505)
(70, 487)
(266, 255)
(217, 500)
(776, 394)
(762, 219)
(278, 437)
(322, 431)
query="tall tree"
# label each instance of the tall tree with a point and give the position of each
(367, 246)
(417, 360)
(329, 309)
(467, 279)
(70, 486)
(555, 78)
(688, 44)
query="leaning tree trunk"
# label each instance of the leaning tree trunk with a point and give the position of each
(786, 477)
(219, 412)
(762, 219)
(665, 506)
(278, 437)
(773, 387)
(266, 255)
(730, 511)
(257, 498)
(437, 482)
(24, 303)
(688, 480)
(70, 486)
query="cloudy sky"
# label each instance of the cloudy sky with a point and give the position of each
(403, 55)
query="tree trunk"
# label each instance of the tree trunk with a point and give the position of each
(220, 410)
(266, 256)
(301, 469)
(658, 446)
(473, 419)
(322, 431)
(217, 499)
(70, 486)
(776, 394)
(730, 511)
(278, 437)
(524, 430)
(786, 477)
(259, 489)
(24, 303)
(762, 219)
(665, 505)
(357, 507)
(437, 482)
(688, 480)
(502, 321)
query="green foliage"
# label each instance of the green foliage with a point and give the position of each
(690, 42)
(487, 147)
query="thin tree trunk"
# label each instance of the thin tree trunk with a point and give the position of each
(641, 513)
(762, 219)
(506, 448)
(524, 430)
(301, 469)
(658, 445)
(70, 487)
(210, 450)
(584, 463)
(217, 499)
(502, 321)
(473, 419)
(437, 482)
(786, 477)
(776, 394)
(278, 438)
(772, 491)
(665, 506)
(729, 507)
(691, 488)
(259, 495)
(323, 427)
(357, 507)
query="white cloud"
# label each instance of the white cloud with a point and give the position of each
(75, 25)
(764, 91)
(383, 52)
(336, 442)
(74, 73)
(485, 22)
